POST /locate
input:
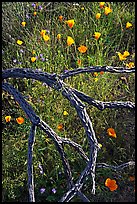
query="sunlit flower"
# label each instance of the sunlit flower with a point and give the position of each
(111, 132)
(70, 41)
(43, 32)
(98, 15)
(95, 74)
(130, 65)
(60, 18)
(126, 54)
(35, 13)
(82, 49)
(60, 127)
(121, 57)
(58, 36)
(65, 113)
(33, 59)
(82, 8)
(97, 35)
(70, 23)
(101, 4)
(23, 23)
(8, 118)
(95, 79)
(46, 38)
(20, 120)
(128, 25)
(19, 42)
(107, 10)
(111, 184)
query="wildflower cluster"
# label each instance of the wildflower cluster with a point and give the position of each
(19, 120)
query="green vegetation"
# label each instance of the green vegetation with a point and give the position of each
(55, 56)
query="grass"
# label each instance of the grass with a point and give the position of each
(50, 104)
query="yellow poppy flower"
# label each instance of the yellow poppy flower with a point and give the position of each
(8, 118)
(46, 37)
(121, 57)
(82, 49)
(97, 35)
(70, 23)
(130, 65)
(98, 15)
(95, 79)
(58, 36)
(128, 25)
(33, 59)
(126, 54)
(101, 4)
(65, 113)
(107, 10)
(111, 132)
(23, 23)
(70, 41)
(35, 13)
(19, 42)
(95, 74)
(20, 120)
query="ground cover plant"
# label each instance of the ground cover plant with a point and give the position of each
(56, 37)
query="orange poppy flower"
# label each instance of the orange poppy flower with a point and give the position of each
(111, 132)
(70, 23)
(8, 118)
(107, 10)
(20, 120)
(102, 72)
(60, 127)
(33, 59)
(60, 18)
(111, 184)
(82, 49)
